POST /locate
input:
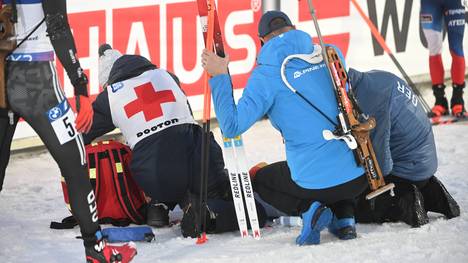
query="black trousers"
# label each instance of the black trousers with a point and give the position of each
(7, 130)
(274, 185)
(398, 181)
(33, 89)
(167, 164)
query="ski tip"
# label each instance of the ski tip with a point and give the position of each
(244, 233)
(202, 239)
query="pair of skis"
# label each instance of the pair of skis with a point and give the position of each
(241, 186)
(446, 120)
(234, 153)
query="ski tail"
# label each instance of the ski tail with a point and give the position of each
(247, 185)
(230, 160)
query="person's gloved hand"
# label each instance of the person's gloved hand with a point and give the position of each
(84, 120)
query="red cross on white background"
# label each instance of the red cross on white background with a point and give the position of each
(148, 101)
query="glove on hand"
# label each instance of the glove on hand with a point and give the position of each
(84, 120)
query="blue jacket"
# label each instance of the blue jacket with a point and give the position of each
(403, 139)
(314, 162)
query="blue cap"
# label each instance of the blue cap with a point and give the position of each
(265, 27)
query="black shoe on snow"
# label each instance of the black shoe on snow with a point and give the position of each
(190, 224)
(157, 215)
(408, 206)
(344, 228)
(437, 199)
(457, 104)
(441, 104)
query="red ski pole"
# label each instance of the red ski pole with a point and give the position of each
(207, 11)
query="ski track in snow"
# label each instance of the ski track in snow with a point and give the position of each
(32, 197)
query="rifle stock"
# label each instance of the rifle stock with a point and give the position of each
(7, 45)
(364, 153)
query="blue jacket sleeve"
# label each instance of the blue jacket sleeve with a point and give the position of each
(253, 105)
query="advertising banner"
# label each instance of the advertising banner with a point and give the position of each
(168, 33)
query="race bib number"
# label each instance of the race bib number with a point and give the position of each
(62, 119)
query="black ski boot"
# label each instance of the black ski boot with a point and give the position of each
(437, 199)
(157, 215)
(190, 221)
(408, 206)
(344, 228)
(441, 104)
(457, 104)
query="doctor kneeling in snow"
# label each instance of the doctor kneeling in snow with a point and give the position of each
(154, 116)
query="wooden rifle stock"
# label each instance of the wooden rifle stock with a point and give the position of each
(364, 153)
(7, 45)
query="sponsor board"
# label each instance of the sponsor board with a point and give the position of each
(168, 33)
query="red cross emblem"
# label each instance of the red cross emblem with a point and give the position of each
(148, 101)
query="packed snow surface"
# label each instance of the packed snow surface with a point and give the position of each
(32, 197)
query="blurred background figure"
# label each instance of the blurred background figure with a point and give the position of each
(434, 15)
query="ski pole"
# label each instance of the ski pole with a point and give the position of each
(234, 153)
(205, 155)
(375, 32)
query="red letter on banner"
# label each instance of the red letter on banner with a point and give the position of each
(239, 25)
(184, 45)
(328, 9)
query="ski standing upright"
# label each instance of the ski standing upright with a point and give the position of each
(234, 153)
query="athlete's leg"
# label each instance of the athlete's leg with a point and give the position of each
(33, 89)
(8, 123)
(432, 22)
(455, 21)
(274, 185)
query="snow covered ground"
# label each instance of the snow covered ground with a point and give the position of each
(32, 197)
